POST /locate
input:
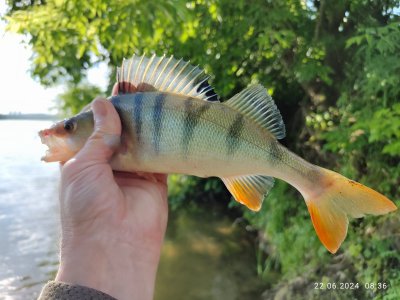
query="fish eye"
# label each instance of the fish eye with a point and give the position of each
(69, 126)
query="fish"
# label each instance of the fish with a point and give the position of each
(174, 122)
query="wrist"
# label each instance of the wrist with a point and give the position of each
(121, 270)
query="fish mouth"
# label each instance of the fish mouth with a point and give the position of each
(57, 148)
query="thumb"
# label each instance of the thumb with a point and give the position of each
(106, 135)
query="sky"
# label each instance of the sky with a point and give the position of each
(18, 91)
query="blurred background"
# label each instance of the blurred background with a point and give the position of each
(333, 69)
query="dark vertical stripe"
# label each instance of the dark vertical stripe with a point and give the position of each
(192, 117)
(137, 114)
(234, 132)
(157, 120)
(275, 152)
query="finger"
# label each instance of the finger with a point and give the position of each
(106, 136)
(162, 178)
(125, 177)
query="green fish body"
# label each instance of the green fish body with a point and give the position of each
(167, 133)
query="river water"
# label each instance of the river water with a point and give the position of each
(28, 210)
(205, 256)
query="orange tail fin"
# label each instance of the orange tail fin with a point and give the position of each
(339, 198)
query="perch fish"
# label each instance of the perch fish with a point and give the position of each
(173, 122)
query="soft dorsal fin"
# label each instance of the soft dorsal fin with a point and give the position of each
(164, 74)
(255, 103)
(249, 190)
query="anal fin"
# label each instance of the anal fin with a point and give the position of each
(249, 190)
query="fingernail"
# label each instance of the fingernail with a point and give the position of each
(99, 109)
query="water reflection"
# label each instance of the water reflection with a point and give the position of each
(204, 256)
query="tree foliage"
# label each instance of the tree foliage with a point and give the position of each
(332, 67)
(76, 98)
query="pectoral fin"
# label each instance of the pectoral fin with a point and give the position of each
(249, 190)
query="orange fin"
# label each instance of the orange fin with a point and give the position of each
(338, 199)
(249, 190)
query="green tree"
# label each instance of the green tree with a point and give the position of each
(332, 67)
(76, 97)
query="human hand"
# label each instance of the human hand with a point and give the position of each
(113, 223)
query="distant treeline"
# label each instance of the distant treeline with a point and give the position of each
(28, 117)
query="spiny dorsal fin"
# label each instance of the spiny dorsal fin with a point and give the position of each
(250, 189)
(257, 104)
(164, 74)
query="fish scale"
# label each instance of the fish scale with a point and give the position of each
(176, 133)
